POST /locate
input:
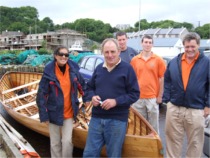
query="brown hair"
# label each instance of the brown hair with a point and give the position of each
(191, 36)
(120, 33)
(147, 37)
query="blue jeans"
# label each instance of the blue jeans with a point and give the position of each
(109, 132)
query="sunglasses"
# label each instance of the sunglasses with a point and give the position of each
(62, 54)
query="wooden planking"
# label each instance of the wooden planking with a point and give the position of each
(20, 96)
(19, 87)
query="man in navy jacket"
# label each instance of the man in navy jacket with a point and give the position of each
(187, 94)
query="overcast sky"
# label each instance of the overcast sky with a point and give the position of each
(119, 11)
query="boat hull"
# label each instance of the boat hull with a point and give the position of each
(141, 139)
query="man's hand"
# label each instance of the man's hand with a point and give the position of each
(108, 104)
(206, 111)
(96, 100)
(159, 100)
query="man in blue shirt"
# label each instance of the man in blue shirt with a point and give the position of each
(113, 88)
(127, 53)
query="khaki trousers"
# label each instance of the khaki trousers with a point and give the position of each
(61, 139)
(149, 109)
(181, 120)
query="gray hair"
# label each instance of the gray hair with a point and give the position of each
(109, 40)
(191, 36)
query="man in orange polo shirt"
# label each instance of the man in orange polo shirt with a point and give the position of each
(149, 69)
(187, 94)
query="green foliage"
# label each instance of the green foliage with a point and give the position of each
(94, 46)
(204, 31)
(42, 51)
(162, 24)
(44, 44)
(25, 19)
(15, 52)
(21, 19)
(95, 29)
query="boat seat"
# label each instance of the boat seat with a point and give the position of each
(20, 96)
(20, 87)
(25, 106)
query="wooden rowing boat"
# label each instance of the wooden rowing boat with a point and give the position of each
(18, 93)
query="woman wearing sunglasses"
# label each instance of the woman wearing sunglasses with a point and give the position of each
(58, 102)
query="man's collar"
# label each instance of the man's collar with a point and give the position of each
(111, 68)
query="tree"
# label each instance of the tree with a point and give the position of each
(204, 31)
(95, 29)
(46, 25)
(162, 24)
(143, 24)
(25, 18)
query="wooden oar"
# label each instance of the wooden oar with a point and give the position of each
(25, 149)
(12, 129)
(9, 134)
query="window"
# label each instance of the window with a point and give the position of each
(90, 64)
(98, 61)
(82, 62)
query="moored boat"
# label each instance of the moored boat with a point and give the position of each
(18, 94)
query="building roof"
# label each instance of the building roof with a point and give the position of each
(165, 42)
(176, 31)
(164, 31)
(135, 43)
(152, 31)
(158, 31)
(12, 33)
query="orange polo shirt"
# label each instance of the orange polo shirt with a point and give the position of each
(148, 73)
(186, 69)
(65, 84)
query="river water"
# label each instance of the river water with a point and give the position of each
(42, 144)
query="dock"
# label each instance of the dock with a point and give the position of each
(7, 147)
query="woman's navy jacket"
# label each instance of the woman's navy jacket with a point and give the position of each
(50, 96)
